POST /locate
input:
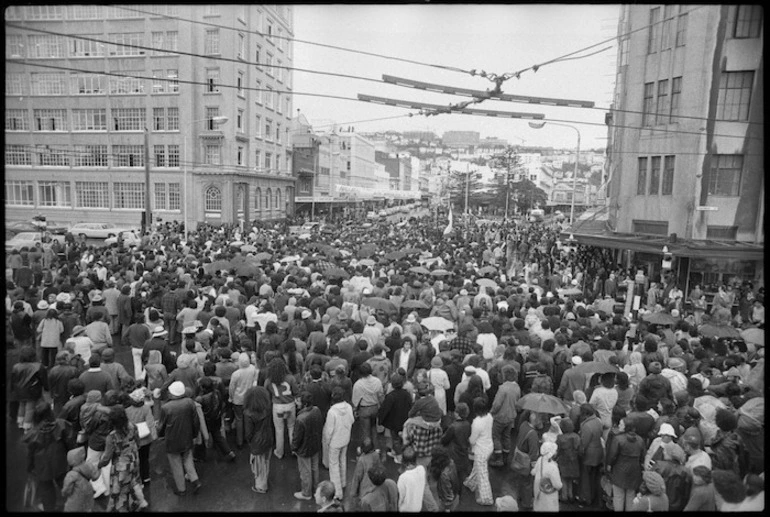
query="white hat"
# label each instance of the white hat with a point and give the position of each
(42, 305)
(159, 332)
(189, 330)
(176, 389)
(63, 297)
(463, 292)
(306, 314)
(411, 318)
(574, 282)
(576, 360)
(667, 430)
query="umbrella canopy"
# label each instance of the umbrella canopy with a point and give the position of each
(217, 265)
(323, 266)
(380, 304)
(367, 250)
(543, 403)
(290, 258)
(395, 255)
(236, 244)
(419, 269)
(591, 367)
(718, 331)
(570, 291)
(337, 272)
(754, 335)
(659, 318)
(488, 270)
(366, 262)
(248, 248)
(412, 251)
(440, 272)
(246, 269)
(414, 304)
(263, 256)
(487, 282)
(437, 323)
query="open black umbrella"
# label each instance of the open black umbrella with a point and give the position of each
(337, 272)
(380, 304)
(543, 403)
(414, 304)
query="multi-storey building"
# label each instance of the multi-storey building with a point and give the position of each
(200, 93)
(686, 142)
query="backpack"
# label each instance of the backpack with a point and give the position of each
(678, 489)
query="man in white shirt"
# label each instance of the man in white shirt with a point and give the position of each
(412, 486)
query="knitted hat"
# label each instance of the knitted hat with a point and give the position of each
(42, 305)
(654, 368)
(137, 395)
(654, 482)
(436, 362)
(176, 389)
(506, 504)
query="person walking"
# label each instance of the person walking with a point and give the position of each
(242, 379)
(547, 480)
(179, 425)
(336, 433)
(591, 455)
(414, 495)
(258, 432)
(212, 404)
(139, 413)
(283, 390)
(49, 331)
(444, 473)
(392, 415)
(58, 379)
(28, 379)
(47, 443)
(503, 412)
(367, 397)
(625, 457)
(122, 452)
(482, 447)
(76, 489)
(306, 444)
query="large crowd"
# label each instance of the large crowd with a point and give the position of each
(449, 352)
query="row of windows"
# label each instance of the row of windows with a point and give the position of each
(86, 12)
(662, 103)
(655, 175)
(92, 119)
(713, 232)
(48, 46)
(90, 194)
(91, 155)
(272, 199)
(58, 83)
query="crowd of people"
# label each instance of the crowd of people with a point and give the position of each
(447, 352)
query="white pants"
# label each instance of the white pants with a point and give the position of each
(102, 484)
(136, 354)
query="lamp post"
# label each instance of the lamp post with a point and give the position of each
(540, 125)
(216, 121)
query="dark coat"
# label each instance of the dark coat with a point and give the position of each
(395, 409)
(179, 424)
(47, 447)
(307, 432)
(259, 425)
(625, 455)
(165, 353)
(591, 451)
(411, 363)
(28, 381)
(322, 395)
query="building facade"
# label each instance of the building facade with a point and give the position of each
(200, 93)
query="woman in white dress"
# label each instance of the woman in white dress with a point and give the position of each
(546, 467)
(439, 379)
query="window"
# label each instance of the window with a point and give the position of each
(46, 46)
(211, 42)
(173, 83)
(89, 119)
(173, 155)
(161, 201)
(257, 55)
(165, 81)
(239, 84)
(268, 162)
(654, 175)
(258, 199)
(128, 155)
(92, 194)
(258, 127)
(212, 154)
(19, 193)
(14, 83)
(287, 101)
(90, 156)
(50, 120)
(125, 11)
(165, 119)
(128, 119)
(16, 120)
(269, 98)
(14, 45)
(172, 120)
(641, 185)
(53, 156)
(44, 12)
(268, 129)
(649, 99)
(87, 84)
(85, 12)
(722, 233)
(86, 48)
(281, 41)
(667, 188)
(277, 204)
(123, 44)
(159, 151)
(681, 26)
(174, 196)
(212, 80)
(239, 156)
(270, 70)
(278, 162)
(213, 199)
(279, 71)
(212, 10)
(127, 85)
(268, 199)
(663, 112)
(259, 92)
(128, 195)
(734, 95)
(241, 46)
(725, 175)
(48, 83)
(54, 193)
(269, 28)
(239, 121)
(17, 155)
(278, 133)
(654, 36)
(164, 41)
(278, 103)
(676, 98)
(211, 114)
(257, 159)
(668, 21)
(748, 21)
(158, 85)
(650, 227)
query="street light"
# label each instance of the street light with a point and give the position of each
(216, 121)
(540, 125)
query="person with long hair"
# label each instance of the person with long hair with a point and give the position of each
(482, 447)
(283, 390)
(444, 473)
(122, 449)
(28, 379)
(257, 412)
(50, 330)
(293, 358)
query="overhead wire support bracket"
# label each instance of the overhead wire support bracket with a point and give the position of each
(437, 109)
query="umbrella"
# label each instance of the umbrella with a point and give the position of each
(412, 251)
(395, 255)
(263, 256)
(754, 335)
(336, 272)
(290, 258)
(659, 318)
(246, 269)
(217, 265)
(487, 282)
(419, 269)
(414, 304)
(437, 323)
(367, 250)
(440, 272)
(248, 248)
(570, 291)
(591, 367)
(543, 403)
(718, 331)
(366, 262)
(380, 304)
(488, 270)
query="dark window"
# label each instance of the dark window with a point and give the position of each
(641, 186)
(650, 227)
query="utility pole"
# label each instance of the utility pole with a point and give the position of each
(147, 210)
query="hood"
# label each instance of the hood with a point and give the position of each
(87, 469)
(76, 456)
(631, 437)
(654, 482)
(748, 424)
(185, 360)
(635, 358)
(243, 361)
(154, 357)
(342, 409)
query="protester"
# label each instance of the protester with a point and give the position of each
(179, 425)
(257, 415)
(47, 441)
(122, 453)
(28, 380)
(306, 444)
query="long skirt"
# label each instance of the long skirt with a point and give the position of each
(260, 467)
(478, 480)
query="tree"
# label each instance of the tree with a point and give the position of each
(527, 195)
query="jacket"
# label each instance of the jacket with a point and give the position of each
(395, 409)
(28, 381)
(77, 490)
(179, 423)
(242, 379)
(258, 425)
(143, 413)
(156, 371)
(625, 455)
(339, 423)
(504, 405)
(591, 451)
(47, 446)
(308, 429)
(571, 381)
(361, 484)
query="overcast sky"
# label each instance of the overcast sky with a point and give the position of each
(495, 38)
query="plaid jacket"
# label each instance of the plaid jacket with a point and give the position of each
(462, 344)
(422, 439)
(169, 305)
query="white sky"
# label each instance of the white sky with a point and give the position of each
(495, 38)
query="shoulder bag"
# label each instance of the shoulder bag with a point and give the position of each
(520, 463)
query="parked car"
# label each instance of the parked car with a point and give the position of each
(35, 226)
(97, 230)
(130, 238)
(26, 239)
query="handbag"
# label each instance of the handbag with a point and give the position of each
(143, 430)
(520, 463)
(546, 485)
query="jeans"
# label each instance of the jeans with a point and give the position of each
(144, 462)
(501, 436)
(589, 485)
(367, 415)
(279, 424)
(308, 474)
(48, 356)
(181, 464)
(338, 457)
(219, 440)
(113, 323)
(171, 324)
(622, 498)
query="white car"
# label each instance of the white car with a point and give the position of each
(97, 230)
(22, 240)
(130, 238)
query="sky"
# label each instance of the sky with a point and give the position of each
(496, 38)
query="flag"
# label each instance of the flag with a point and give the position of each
(448, 228)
